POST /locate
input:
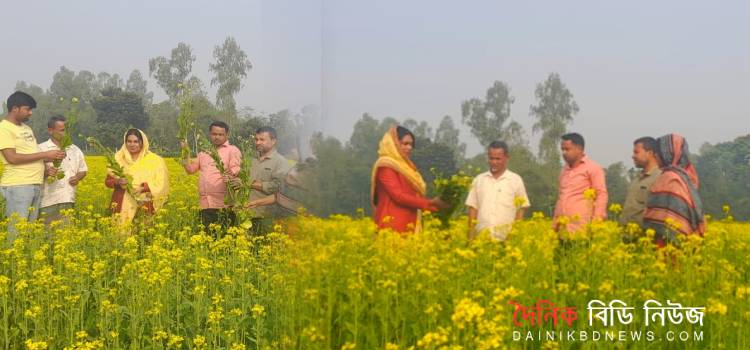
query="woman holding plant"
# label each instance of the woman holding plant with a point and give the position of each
(397, 189)
(145, 183)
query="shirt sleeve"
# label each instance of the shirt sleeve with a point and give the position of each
(235, 161)
(599, 185)
(110, 181)
(558, 204)
(273, 186)
(7, 140)
(82, 166)
(471, 198)
(194, 166)
(388, 178)
(521, 193)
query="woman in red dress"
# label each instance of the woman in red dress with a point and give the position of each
(397, 189)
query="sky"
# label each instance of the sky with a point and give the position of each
(635, 68)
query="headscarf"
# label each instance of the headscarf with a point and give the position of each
(674, 153)
(674, 195)
(148, 168)
(390, 155)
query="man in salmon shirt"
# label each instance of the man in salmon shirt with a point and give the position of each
(212, 187)
(582, 194)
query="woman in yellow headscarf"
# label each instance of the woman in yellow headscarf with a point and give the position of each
(397, 189)
(148, 175)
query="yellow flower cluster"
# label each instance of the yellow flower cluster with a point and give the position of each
(82, 284)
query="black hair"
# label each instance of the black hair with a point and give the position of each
(219, 124)
(575, 138)
(54, 119)
(135, 132)
(648, 143)
(499, 145)
(270, 130)
(20, 99)
(402, 132)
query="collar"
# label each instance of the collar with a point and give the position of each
(650, 173)
(489, 174)
(270, 155)
(583, 160)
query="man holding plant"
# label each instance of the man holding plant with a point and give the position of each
(212, 184)
(497, 197)
(21, 182)
(267, 172)
(59, 193)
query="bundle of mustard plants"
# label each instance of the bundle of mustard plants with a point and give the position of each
(186, 118)
(233, 192)
(451, 190)
(112, 165)
(71, 117)
(247, 148)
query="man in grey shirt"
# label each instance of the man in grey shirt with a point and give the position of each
(644, 158)
(267, 171)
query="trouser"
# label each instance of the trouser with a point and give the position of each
(261, 226)
(23, 201)
(224, 217)
(54, 212)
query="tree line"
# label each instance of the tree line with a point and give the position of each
(340, 178)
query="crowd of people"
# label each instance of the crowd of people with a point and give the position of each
(30, 182)
(663, 197)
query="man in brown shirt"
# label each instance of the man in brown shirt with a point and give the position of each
(644, 158)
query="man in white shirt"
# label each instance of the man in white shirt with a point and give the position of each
(497, 197)
(60, 194)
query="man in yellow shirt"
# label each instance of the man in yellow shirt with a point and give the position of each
(24, 170)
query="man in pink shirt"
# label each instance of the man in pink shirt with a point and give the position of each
(582, 194)
(211, 185)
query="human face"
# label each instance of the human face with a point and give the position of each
(497, 160)
(133, 144)
(218, 135)
(641, 156)
(57, 132)
(264, 143)
(406, 145)
(571, 152)
(23, 113)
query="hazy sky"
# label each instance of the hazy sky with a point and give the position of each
(635, 68)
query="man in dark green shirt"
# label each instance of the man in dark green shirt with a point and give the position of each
(644, 158)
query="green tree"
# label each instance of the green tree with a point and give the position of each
(724, 177)
(553, 112)
(489, 120)
(173, 72)
(117, 110)
(105, 81)
(431, 155)
(366, 137)
(447, 134)
(286, 129)
(139, 86)
(616, 176)
(230, 68)
(421, 130)
(67, 84)
(161, 128)
(350, 189)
